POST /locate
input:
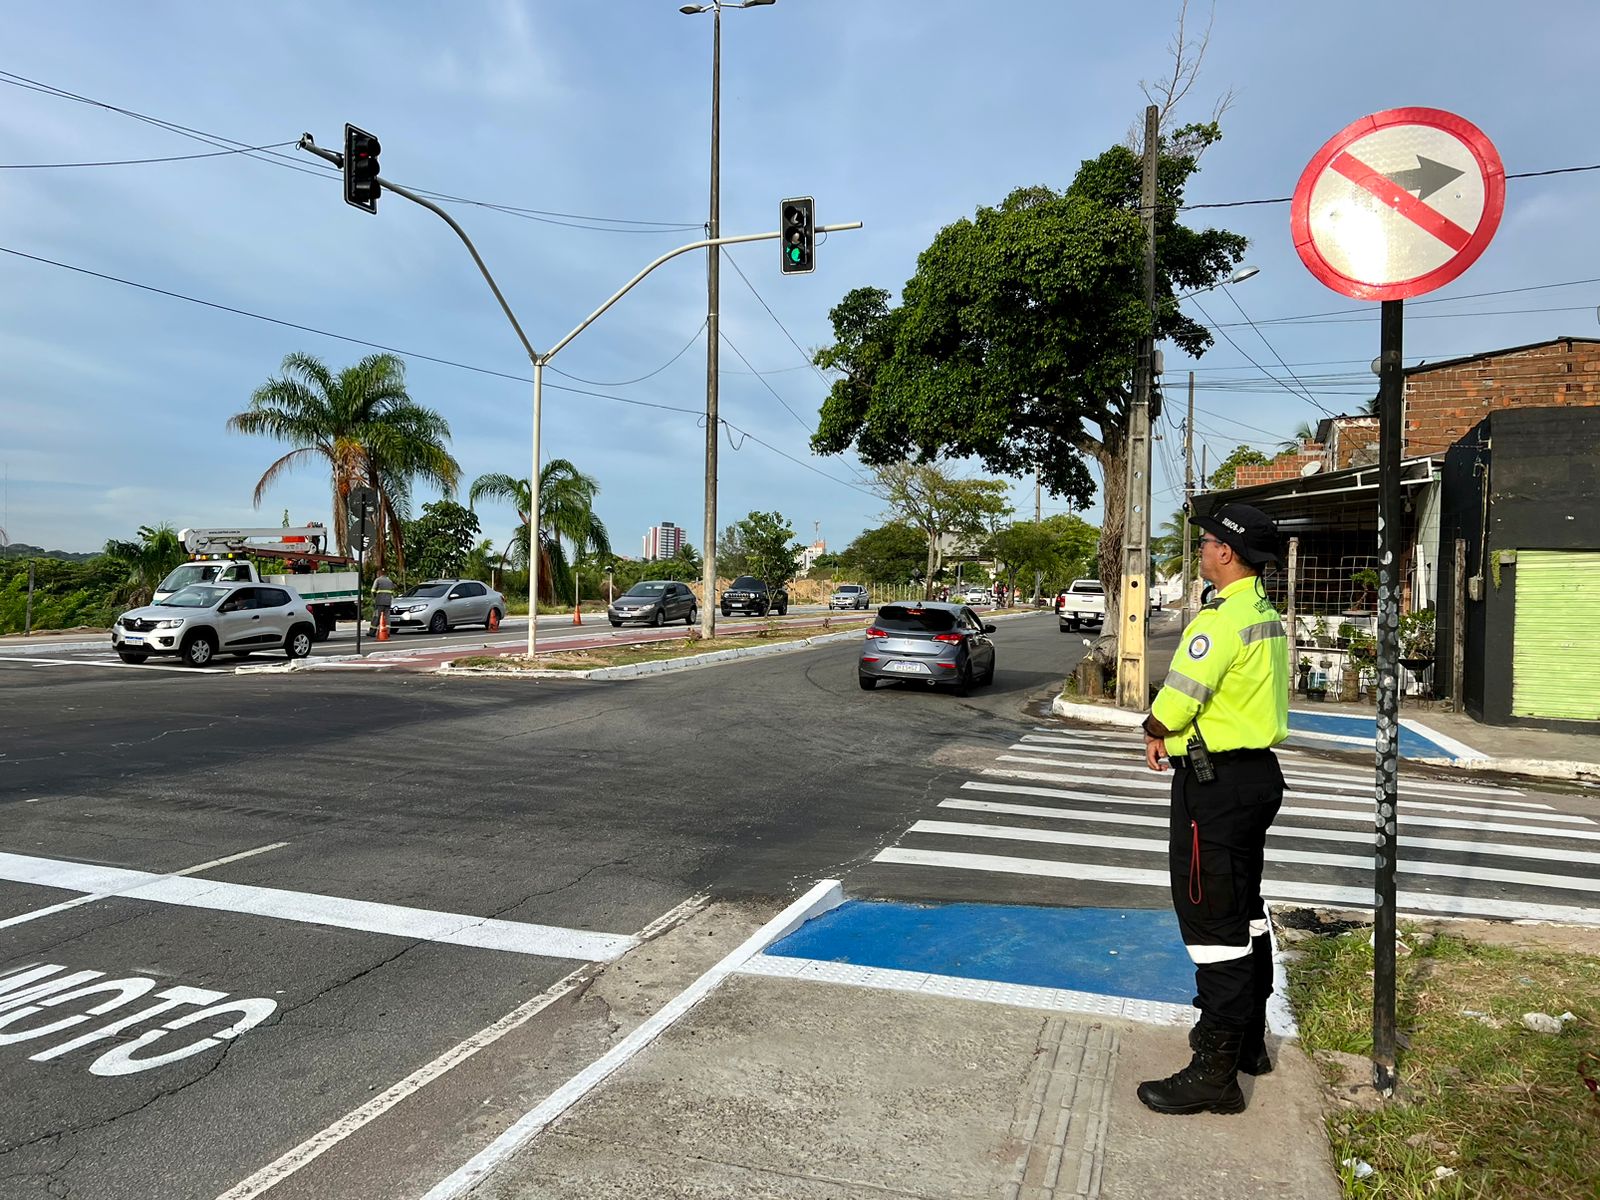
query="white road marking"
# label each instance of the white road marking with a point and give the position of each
(320, 1143)
(824, 895)
(1496, 849)
(1408, 806)
(1356, 862)
(1322, 814)
(1271, 889)
(93, 662)
(1045, 745)
(455, 929)
(80, 901)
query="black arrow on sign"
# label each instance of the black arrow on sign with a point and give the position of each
(1426, 178)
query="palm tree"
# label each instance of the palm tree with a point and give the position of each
(566, 513)
(367, 429)
(1304, 433)
(144, 563)
(1167, 546)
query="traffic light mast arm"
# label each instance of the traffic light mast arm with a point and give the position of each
(309, 144)
(671, 254)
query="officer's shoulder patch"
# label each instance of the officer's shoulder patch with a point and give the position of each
(1199, 646)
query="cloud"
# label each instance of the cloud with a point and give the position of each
(506, 62)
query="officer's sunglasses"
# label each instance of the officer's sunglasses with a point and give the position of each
(1211, 541)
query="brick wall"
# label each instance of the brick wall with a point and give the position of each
(1442, 403)
(1287, 465)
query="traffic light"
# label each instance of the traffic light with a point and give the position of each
(799, 226)
(361, 185)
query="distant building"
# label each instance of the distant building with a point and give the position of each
(807, 557)
(663, 541)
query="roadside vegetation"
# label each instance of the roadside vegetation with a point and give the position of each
(618, 656)
(1488, 1107)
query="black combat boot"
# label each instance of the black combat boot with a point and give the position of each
(1253, 1058)
(1207, 1084)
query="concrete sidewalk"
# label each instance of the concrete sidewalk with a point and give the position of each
(817, 1090)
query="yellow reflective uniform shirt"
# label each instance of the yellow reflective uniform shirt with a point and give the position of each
(1232, 670)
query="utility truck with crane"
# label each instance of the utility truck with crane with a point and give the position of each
(331, 591)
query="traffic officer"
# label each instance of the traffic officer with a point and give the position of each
(382, 600)
(1224, 705)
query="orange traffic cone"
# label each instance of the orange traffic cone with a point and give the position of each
(577, 614)
(383, 625)
(494, 619)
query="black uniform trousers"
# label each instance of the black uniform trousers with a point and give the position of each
(1216, 846)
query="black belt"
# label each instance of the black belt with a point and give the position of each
(1182, 760)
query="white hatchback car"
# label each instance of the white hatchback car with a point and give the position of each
(977, 595)
(198, 622)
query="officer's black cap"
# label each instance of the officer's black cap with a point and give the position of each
(1248, 530)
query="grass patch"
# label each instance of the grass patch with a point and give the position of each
(1504, 1108)
(621, 656)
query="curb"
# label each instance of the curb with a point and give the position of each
(686, 663)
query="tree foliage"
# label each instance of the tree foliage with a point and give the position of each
(769, 547)
(441, 540)
(1016, 339)
(364, 426)
(1243, 456)
(941, 507)
(891, 553)
(142, 564)
(566, 520)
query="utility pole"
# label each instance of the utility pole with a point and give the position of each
(1038, 516)
(708, 576)
(1133, 687)
(1188, 495)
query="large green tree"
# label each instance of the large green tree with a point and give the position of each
(1016, 339)
(891, 553)
(441, 540)
(566, 520)
(364, 426)
(948, 511)
(769, 547)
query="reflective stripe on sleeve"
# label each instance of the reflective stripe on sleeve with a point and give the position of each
(1191, 688)
(1215, 954)
(1258, 928)
(1262, 632)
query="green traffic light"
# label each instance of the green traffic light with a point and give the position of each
(794, 254)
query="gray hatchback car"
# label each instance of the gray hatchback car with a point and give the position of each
(928, 642)
(654, 602)
(441, 604)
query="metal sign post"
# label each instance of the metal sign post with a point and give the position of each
(361, 510)
(1394, 205)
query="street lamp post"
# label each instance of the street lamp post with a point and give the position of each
(708, 578)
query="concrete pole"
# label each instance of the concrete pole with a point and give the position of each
(1133, 686)
(1188, 496)
(708, 578)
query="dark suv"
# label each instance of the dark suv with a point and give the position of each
(749, 594)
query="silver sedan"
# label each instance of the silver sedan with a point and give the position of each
(442, 604)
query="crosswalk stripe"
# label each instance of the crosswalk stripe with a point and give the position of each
(1123, 738)
(1408, 805)
(1358, 862)
(1339, 778)
(1325, 814)
(1139, 776)
(1561, 854)
(1272, 889)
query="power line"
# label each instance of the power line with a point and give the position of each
(271, 156)
(1269, 345)
(766, 385)
(1253, 362)
(133, 162)
(630, 382)
(1288, 199)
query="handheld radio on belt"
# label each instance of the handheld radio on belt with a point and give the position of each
(1200, 758)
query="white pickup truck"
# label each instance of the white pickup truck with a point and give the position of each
(331, 595)
(1084, 603)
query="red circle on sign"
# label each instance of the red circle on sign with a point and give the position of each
(1494, 202)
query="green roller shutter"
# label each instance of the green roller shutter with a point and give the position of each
(1555, 657)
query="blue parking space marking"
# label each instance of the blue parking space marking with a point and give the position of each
(1133, 953)
(1412, 743)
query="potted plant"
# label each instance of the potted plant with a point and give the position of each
(1367, 580)
(1416, 638)
(1363, 656)
(1319, 632)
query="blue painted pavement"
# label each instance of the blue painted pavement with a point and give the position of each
(1111, 952)
(1412, 743)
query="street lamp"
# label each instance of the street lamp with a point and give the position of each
(708, 576)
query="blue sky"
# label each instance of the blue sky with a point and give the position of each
(904, 114)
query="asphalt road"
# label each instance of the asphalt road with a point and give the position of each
(372, 821)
